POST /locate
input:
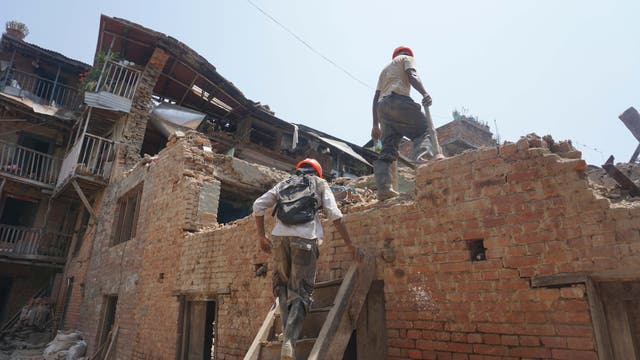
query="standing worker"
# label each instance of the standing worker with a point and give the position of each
(294, 241)
(396, 115)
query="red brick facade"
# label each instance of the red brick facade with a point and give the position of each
(533, 210)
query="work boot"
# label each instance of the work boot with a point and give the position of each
(292, 331)
(382, 174)
(422, 149)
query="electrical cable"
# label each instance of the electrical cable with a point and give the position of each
(309, 46)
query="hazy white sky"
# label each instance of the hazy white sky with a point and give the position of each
(564, 67)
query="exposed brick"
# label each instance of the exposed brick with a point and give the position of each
(573, 354)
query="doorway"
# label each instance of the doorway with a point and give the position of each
(199, 331)
(621, 305)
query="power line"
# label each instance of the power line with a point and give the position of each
(602, 155)
(309, 46)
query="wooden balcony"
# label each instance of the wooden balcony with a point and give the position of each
(40, 90)
(28, 166)
(18, 243)
(89, 159)
(115, 88)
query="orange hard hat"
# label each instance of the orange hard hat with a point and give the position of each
(313, 163)
(402, 48)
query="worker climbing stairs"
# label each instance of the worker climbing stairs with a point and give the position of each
(328, 326)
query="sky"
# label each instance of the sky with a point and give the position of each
(566, 68)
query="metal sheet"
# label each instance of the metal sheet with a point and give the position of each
(178, 115)
(342, 147)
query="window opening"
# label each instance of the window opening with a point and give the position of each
(18, 212)
(67, 298)
(127, 212)
(108, 320)
(262, 136)
(477, 251)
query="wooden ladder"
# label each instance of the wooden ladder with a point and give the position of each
(328, 326)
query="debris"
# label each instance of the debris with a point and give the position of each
(31, 330)
(621, 178)
(605, 186)
(60, 347)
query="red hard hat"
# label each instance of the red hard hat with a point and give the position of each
(313, 163)
(402, 48)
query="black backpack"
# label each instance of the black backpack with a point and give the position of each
(297, 202)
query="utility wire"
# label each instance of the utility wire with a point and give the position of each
(309, 46)
(602, 155)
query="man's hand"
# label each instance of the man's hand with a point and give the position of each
(265, 244)
(426, 100)
(356, 254)
(375, 133)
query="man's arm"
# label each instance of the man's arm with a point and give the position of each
(415, 81)
(263, 240)
(342, 230)
(262, 203)
(375, 130)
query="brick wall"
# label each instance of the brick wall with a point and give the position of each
(173, 185)
(533, 210)
(25, 282)
(469, 131)
(135, 123)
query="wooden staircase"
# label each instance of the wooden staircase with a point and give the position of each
(328, 326)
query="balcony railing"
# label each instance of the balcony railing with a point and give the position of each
(26, 242)
(92, 156)
(119, 80)
(29, 164)
(115, 88)
(40, 90)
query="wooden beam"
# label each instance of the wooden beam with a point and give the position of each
(634, 157)
(622, 179)
(342, 319)
(559, 280)
(83, 198)
(263, 333)
(631, 118)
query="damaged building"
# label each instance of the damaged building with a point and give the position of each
(127, 200)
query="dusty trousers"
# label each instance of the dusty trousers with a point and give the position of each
(294, 275)
(400, 116)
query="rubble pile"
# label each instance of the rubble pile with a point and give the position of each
(32, 329)
(605, 186)
(70, 346)
(563, 148)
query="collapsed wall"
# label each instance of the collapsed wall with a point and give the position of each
(497, 254)
(458, 263)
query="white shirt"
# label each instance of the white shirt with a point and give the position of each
(312, 229)
(393, 78)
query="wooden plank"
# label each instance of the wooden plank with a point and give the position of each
(617, 321)
(599, 321)
(263, 333)
(559, 280)
(83, 198)
(341, 320)
(197, 316)
(621, 178)
(372, 330)
(631, 118)
(634, 157)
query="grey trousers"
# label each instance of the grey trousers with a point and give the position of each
(294, 269)
(400, 116)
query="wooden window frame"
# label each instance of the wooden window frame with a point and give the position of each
(126, 215)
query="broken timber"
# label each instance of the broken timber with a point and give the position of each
(631, 119)
(621, 178)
